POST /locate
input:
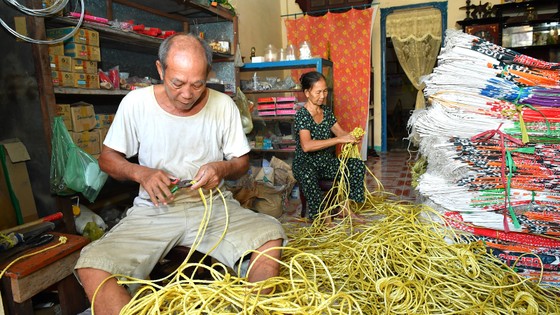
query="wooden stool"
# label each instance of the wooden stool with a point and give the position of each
(324, 184)
(175, 258)
(34, 274)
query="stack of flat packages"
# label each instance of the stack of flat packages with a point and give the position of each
(490, 135)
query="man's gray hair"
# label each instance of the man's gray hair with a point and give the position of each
(166, 45)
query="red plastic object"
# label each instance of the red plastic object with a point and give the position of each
(52, 217)
(90, 18)
(152, 33)
(152, 29)
(266, 100)
(138, 28)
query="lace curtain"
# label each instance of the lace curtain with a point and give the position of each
(416, 36)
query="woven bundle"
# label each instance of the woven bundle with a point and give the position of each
(489, 140)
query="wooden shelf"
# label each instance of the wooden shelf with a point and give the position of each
(274, 118)
(112, 37)
(119, 39)
(270, 91)
(274, 150)
(317, 63)
(77, 91)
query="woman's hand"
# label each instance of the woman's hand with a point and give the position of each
(347, 138)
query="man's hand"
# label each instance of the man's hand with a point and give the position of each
(208, 176)
(156, 183)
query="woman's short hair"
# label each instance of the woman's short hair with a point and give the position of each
(309, 79)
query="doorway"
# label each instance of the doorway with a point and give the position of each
(385, 89)
(401, 97)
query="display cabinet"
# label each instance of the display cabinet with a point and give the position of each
(272, 115)
(529, 27)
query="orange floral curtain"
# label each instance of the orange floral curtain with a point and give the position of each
(348, 38)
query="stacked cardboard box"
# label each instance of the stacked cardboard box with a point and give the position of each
(87, 129)
(74, 63)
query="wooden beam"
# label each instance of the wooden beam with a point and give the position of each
(109, 5)
(151, 10)
(36, 28)
(224, 13)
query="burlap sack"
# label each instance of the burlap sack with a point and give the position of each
(261, 197)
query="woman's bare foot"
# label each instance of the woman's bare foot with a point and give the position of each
(347, 212)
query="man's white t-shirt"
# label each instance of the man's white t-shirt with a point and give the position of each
(177, 145)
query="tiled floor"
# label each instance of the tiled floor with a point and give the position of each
(392, 169)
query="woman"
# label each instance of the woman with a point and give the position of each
(315, 158)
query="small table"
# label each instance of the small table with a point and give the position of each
(34, 274)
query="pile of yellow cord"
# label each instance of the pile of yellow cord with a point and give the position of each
(402, 261)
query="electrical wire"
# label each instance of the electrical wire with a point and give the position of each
(56, 7)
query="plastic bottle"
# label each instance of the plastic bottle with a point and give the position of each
(290, 52)
(282, 54)
(305, 50)
(270, 53)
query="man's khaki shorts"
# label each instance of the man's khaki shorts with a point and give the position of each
(146, 234)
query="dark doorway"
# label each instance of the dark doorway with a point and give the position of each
(401, 98)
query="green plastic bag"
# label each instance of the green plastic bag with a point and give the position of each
(73, 169)
(82, 173)
(60, 142)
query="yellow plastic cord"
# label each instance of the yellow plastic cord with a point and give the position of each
(402, 261)
(61, 240)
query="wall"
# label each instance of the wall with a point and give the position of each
(454, 14)
(20, 110)
(259, 26)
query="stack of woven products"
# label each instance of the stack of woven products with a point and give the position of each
(490, 136)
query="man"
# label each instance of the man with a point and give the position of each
(178, 129)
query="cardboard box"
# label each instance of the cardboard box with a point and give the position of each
(16, 177)
(82, 35)
(104, 120)
(86, 80)
(64, 111)
(61, 78)
(56, 49)
(50, 3)
(20, 24)
(83, 117)
(81, 51)
(61, 63)
(88, 141)
(102, 135)
(84, 66)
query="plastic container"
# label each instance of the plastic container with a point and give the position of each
(290, 52)
(305, 50)
(270, 53)
(282, 54)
